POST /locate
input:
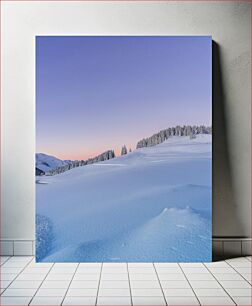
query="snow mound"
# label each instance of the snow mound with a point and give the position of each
(133, 209)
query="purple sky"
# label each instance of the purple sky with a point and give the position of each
(97, 93)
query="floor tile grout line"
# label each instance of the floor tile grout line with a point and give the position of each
(230, 260)
(240, 273)
(96, 300)
(220, 284)
(235, 271)
(160, 283)
(41, 283)
(189, 284)
(9, 257)
(131, 298)
(21, 271)
(1, 266)
(246, 258)
(70, 283)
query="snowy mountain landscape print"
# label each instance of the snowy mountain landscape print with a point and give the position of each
(124, 149)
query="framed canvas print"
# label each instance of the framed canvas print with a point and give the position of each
(123, 148)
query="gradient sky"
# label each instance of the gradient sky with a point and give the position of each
(98, 93)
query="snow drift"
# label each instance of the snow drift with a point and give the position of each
(153, 204)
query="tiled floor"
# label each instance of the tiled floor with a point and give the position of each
(24, 282)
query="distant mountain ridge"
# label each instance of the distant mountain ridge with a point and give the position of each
(45, 163)
(50, 165)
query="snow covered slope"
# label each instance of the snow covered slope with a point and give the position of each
(153, 204)
(46, 162)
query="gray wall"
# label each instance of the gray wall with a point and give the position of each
(229, 25)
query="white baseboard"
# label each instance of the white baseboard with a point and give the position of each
(17, 247)
(231, 247)
(222, 247)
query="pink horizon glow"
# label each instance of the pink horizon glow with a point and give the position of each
(80, 155)
(96, 93)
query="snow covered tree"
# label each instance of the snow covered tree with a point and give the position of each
(124, 150)
(163, 135)
(142, 143)
(111, 154)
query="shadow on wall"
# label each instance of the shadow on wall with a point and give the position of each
(225, 209)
